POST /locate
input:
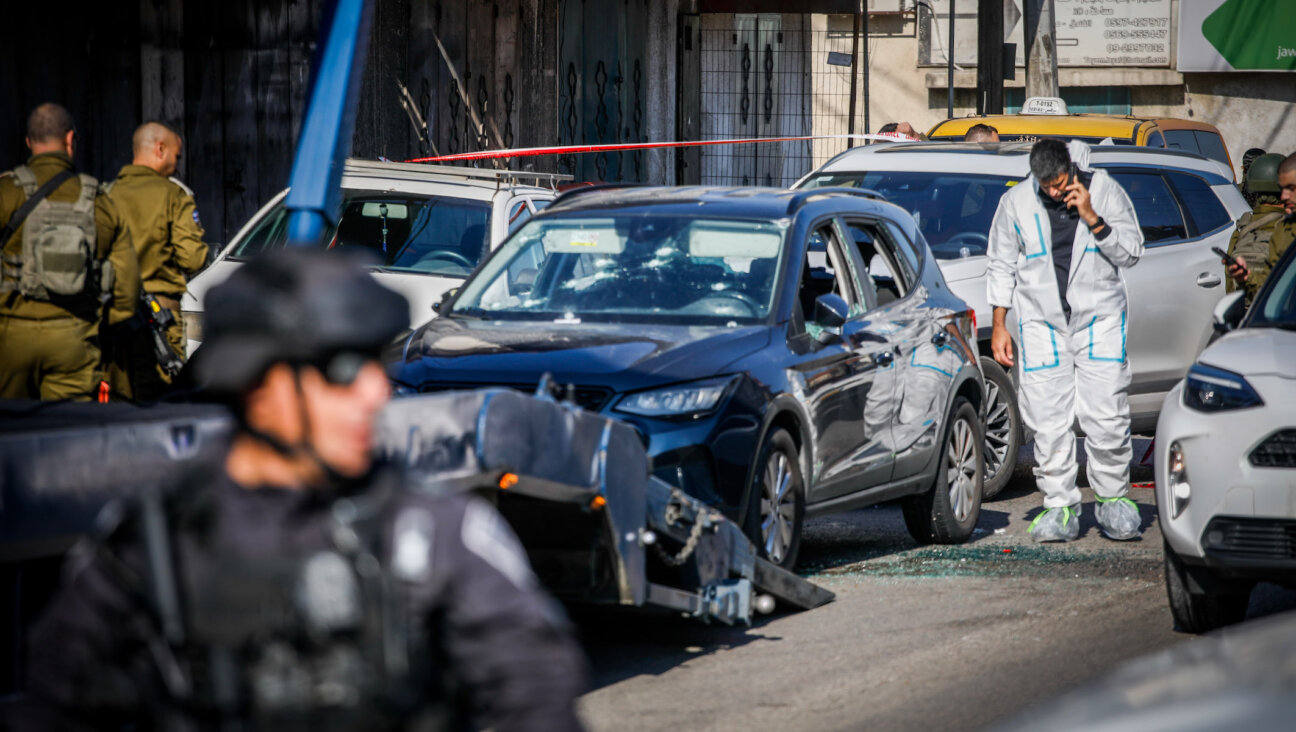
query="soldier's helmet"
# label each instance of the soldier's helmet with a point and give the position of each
(298, 306)
(1262, 177)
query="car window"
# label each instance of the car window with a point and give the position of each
(859, 238)
(1276, 306)
(613, 267)
(518, 213)
(1181, 140)
(1155, 139)
(825, 271)
(1205, 212)
(1211, 145)
(402, 232)
(953, 211)
(877, 250)
(1156, 208)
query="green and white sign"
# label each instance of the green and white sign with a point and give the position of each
(1237, 35)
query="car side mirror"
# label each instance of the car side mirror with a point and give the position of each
(445, 298)
(1228, 312)
(830, 314)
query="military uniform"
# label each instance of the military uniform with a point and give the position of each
(1282, 238)
(168, 239)
(49, 348)
(331, 609)
(1251, 242)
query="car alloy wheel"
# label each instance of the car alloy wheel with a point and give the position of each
(947, 512)
(961, 470)
(1002, 428)
(777, 508)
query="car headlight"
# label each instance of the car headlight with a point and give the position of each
(1209, 389)
(1177, 477)
(697, 398)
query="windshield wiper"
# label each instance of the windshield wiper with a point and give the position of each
(468, 314)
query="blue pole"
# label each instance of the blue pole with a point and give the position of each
(325, 140)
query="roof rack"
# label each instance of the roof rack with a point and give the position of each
(483, 174)
(802, 197)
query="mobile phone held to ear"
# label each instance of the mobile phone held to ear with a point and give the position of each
(1232, 261)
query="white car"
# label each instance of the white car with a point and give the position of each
(425, 227)
(1185, 205)
(1226, 461)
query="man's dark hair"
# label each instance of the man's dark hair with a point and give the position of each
(1288, 165)
(1049, 159)
(48, 123)
(1249, 157)
(889, 127)
(979, 132)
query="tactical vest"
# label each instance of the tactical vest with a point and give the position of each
(58, 255)
(315, 642)
(1255, 232)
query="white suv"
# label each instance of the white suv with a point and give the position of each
(425, 227)
(1226, 462)
(1185, 205)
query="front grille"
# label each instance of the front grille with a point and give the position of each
(1277, 451)
(591, 398)
(1253, 538)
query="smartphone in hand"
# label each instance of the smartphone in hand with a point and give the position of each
(1229, 258)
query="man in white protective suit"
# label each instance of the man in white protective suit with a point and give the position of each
(1057, 245)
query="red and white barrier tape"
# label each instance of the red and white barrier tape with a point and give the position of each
(524, 152)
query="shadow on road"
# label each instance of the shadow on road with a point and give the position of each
(623, 644)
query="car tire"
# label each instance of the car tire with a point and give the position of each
(1200, 612)
(1003, 428)
(776, 510)
(948, 511)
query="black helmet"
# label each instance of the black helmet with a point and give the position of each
(296, 306)
(1262, 176)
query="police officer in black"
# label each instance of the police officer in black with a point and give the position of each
(297, 584)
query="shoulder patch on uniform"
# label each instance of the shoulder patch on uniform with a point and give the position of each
(195, 217)
(486, 534)
(183, 187)
(412, 545)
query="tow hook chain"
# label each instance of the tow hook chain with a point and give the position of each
(701, 522)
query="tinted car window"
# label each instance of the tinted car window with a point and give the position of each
(1205, 212)
(1181, 140)
(1155, 139)
(405, 233)
(1211, 145)
(953, 210)
(1156, 208)
(1277, 306)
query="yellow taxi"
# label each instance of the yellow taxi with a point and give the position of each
(1048, 117)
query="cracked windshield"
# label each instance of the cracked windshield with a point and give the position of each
(653, 268)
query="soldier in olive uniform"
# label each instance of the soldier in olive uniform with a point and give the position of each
(169, 241)
(49, 333)
(1257, 226)
(1254, 274)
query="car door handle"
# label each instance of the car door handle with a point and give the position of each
(883, 358)
(939, 339)
(1206, 279)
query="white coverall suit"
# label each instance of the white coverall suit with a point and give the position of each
(1077, 368)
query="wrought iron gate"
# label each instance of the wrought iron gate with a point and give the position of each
(769, 75)
(601, 87)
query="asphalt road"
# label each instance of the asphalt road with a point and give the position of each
(919, 637)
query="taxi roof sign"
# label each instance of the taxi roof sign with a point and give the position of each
(1045, 105)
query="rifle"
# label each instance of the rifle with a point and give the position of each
(158, 319)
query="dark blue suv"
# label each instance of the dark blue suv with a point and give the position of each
(783, 354)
